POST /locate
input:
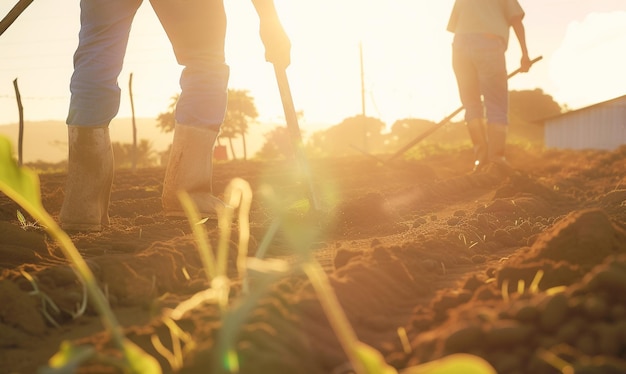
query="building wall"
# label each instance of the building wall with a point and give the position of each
(601, 126)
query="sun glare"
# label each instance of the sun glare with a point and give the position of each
(404, 45)
(576, 63)
(405, 56)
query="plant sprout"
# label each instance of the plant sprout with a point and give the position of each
(22, 186)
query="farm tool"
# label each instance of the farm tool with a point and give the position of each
(294, 133)
(13, 14)
(436, 126)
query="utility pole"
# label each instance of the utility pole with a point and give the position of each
(363, 97)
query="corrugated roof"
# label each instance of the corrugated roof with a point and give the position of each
(542, 121)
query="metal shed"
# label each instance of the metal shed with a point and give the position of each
(599, 126)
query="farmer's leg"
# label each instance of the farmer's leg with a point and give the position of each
(465, 69)
(493, 80)
(494, 86)
(197, 31)
(103, 37)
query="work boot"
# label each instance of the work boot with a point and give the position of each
(496, 133)
(89, 179)
(476, 130)
(190, 169)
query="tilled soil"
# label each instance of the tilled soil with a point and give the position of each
(525, 268)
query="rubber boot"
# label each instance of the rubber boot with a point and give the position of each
(476, 129)
(190, 169)
(496, 133)
(89, 179)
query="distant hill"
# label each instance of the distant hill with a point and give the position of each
(47, 140)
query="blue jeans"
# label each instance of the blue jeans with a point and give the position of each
(479, 65)
(196, 30)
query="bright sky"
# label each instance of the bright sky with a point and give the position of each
(406, 55)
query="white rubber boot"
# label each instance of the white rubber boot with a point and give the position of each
(89, 179)
(476, 129)
(190, 169)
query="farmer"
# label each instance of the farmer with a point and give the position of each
(481, 35)
(196, 30)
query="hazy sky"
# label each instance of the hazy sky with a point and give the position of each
(406, 54)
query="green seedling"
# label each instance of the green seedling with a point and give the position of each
(482, 239)
(534, 285)
(356, 353)
(505, 290)
(363, 358)
(453, 364)
(46, 301)
(205, 296)
(532, 289)
(82, 307)
(462, 238)
(68, 359)
(404, 339)
(367, 360)
(22, 186)
(185, 273)
(26, 225)
(521, 287)
(179, 339)
(237, 195)
(199, 234)
(21, 218)
(555, 361)
(268, 237)
(267, 273)
(465, 241)
(555, 290)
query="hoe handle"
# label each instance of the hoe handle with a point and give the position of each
(13, 14)
(294, 131)
(434, 128)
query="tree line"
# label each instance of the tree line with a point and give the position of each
(354, 135)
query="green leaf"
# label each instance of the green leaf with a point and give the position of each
(19, 183)
(21, 218)
(68, 359)
(372, 361)
(139, 361)
(301, 206)
(453, 364)
(22, 186)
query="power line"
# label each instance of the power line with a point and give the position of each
(13, 97)
(39, 41)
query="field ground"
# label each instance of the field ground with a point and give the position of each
(515, 267)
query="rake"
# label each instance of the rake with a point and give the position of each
(436, 126)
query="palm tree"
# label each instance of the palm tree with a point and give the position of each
(240, 112)
(123, 154)
(166, 120)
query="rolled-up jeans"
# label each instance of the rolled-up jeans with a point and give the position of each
(196, 30)
(479, 64)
